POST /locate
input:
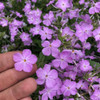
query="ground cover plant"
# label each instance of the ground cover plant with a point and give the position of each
(62, 37)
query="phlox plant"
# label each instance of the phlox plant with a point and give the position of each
(62, 37)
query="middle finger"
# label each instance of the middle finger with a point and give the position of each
(11, 77)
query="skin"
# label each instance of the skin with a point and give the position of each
(15, 85)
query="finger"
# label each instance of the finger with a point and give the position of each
(11, 77)
(6, 60)
(27, 98)
(20, 90)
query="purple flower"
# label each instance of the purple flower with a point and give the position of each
(95, 8)
(96, 34)
(83, 85)
(73, 13)
(47, 76)
(51, 92)
(97, 86)
(36, 30)
(86, 45)
(75, 54)
(48, 93)
(3, 22)
(81, 2)
(34, 1)
(67, 32)
(17, 23)
(51, 48)
(95, 95)
(13, 31)
(1, 6)
(27, 7)
(98, 46)
(85, 65)
(46, 33)
(93, 79)
(25, 37)
(68, 99)
(51, 2)
(86, 19)
(70, 74)
(24, 61)
(63, 4)
(48, 18)
(37, 13)
(19, 0)
(34, 20)
(69, 88)
(62, 60)
(18, 14)
(84, 31)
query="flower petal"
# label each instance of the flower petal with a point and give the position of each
(26, 53)
(40, 73)
(63, 64)
(46, 51)
(32, 59)
(19, 66)
(53, 74)
(27, 67)
(45, 96)
(50, 82)
(56, 43)
(17, 57)
(40, 81)
(45, 43)
(56, 62)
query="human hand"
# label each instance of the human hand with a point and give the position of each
(15, 85)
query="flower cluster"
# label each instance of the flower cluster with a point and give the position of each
(65, 35)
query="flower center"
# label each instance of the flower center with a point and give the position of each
(50, 45)
(46, 76)
(84, 66)
(24, 60)
(73, 51)
(68, 88)
(62, 59)
(63, 4)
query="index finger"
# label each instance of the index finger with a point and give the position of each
(6, 60)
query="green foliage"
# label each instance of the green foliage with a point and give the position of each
(95, 64)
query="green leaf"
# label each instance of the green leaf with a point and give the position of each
(94, 64)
